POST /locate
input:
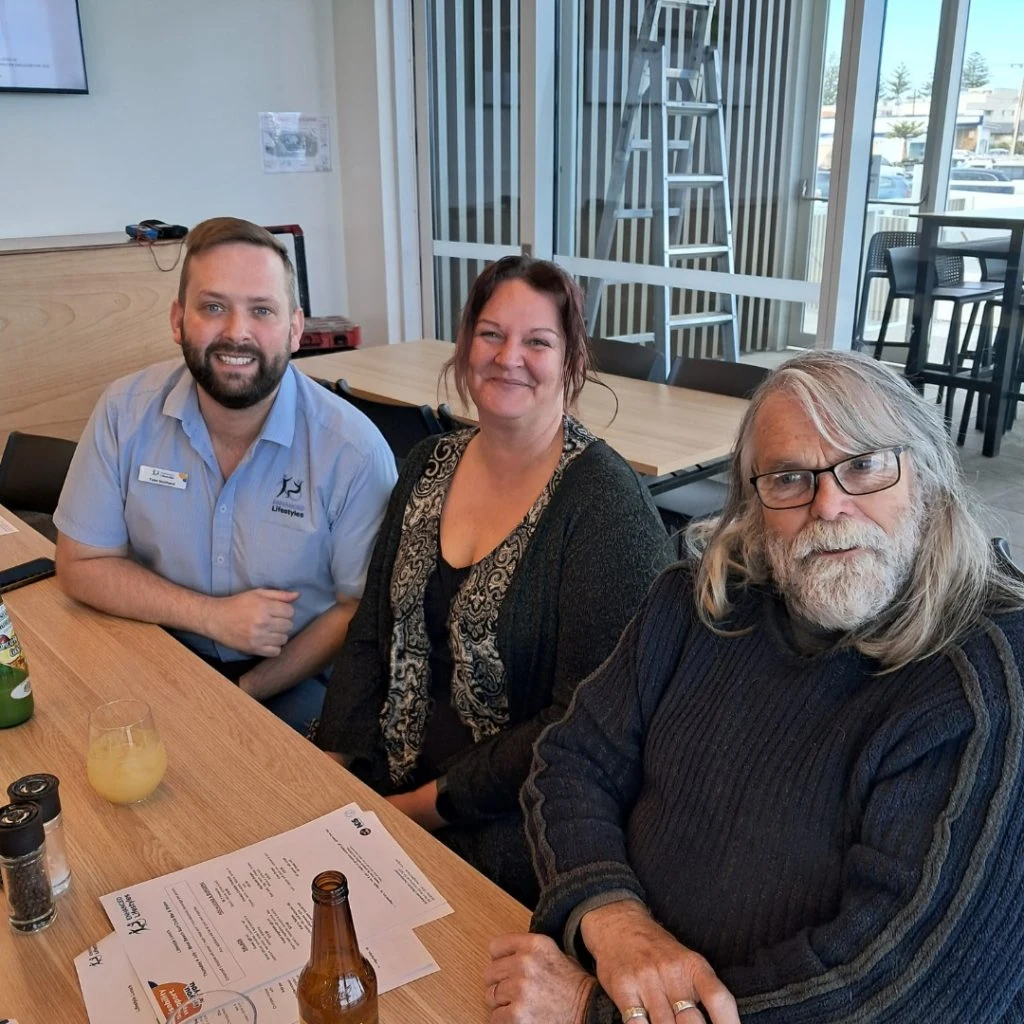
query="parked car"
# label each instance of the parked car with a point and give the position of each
(891, 184)
(1011, 168)
(977, 179)
(976, 174)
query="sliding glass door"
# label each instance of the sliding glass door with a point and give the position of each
(524, 105)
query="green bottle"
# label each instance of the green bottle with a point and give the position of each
(16, 705)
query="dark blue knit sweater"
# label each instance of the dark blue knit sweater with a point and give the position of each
(842, 845)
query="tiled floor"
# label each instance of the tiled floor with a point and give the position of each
(999, 481)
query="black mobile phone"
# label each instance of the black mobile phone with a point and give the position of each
(27, 572)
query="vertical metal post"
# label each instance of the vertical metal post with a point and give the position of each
(848, 186)
(536, 125)
(949, 59)
(567, 127)
(659, 200)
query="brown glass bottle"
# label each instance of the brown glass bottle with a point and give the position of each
(338, 985)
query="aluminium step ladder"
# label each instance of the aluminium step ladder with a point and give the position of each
(680, 101)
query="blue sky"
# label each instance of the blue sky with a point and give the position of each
(995, 29)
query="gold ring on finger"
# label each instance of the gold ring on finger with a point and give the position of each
(633, 1013)
(681, 1005)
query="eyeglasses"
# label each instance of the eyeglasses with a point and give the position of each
(861, 474)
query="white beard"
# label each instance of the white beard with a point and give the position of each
(841, 593)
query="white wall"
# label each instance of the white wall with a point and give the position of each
(170, 127)
(375, 102)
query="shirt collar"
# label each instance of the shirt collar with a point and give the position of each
(279, 426)
(182, 402)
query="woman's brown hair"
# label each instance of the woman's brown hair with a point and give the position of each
(543, 277)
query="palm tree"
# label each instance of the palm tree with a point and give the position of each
(905, 130)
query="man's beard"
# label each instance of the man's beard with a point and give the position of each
(842, 592)
(243, 392)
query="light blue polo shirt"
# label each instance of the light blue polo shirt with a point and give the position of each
(300, 512)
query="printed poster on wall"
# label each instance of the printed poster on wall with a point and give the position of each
(294, 142)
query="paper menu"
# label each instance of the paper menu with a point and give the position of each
(243, 920)
(114, 994)
(110, 987)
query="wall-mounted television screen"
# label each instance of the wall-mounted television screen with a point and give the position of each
(41, 46)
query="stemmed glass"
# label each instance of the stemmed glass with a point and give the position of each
(215, 1007)
(126, 758)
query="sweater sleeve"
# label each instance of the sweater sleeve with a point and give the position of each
(614, 547)
(928, 926)
(587, 771)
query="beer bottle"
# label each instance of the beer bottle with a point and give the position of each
(16, 704)
(338, 985)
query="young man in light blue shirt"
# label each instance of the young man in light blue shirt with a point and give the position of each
(231, 499)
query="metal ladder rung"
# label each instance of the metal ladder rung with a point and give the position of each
(644, 145)
(643, 213)
(688, 3)
(635, 339)
(698, 251)
(707, 319)
(678, 74)
(691, 107)
(695, 179)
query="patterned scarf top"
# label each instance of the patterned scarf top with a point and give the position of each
(479, 685)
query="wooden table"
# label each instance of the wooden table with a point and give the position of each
(236, 775)
(919, 371)
(659, 429)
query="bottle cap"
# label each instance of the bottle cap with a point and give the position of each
(40, 789)
(21, 829)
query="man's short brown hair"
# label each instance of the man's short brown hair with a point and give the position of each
(227, 230)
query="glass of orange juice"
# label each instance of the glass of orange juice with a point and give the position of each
(126, 758)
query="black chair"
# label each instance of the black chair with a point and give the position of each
(717, 376)
(1002, 549)
(32, 473)
(691, 495)
(984, 358)
(901, 265)
(447, 418)
(403, 426)
(881, 242)
(626, 359)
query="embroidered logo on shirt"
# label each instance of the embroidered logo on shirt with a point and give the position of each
(288, 501)
(290, 488)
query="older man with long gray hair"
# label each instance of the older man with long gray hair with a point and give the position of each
(795, 790)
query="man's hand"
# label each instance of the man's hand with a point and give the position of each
(420, 805)
(641, 964)
(255, 621)
(531, 981)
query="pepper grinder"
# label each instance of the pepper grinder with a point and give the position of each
(30, 905)
(42, 789)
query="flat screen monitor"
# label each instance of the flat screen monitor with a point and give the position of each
(41, 46)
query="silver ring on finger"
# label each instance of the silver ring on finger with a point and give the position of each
(682, 1005)
(634, 1013)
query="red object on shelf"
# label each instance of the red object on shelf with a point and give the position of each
(329, 332)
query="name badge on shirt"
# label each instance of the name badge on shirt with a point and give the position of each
(163, 477)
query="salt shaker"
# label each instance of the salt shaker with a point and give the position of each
(30, 905)
(42, 789)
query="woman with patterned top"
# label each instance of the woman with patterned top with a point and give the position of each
(509, 561)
